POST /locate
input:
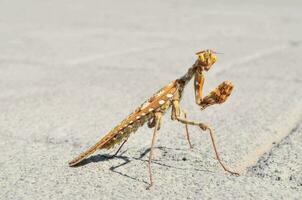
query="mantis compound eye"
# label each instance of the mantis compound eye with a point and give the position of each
(201, 56)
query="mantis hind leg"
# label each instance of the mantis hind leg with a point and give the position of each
(152, 122)
(120, 147)
(157, 120)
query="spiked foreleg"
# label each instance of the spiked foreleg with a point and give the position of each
(217, 96)
(198, 85)
(204, 127)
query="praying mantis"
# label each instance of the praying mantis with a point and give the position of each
(152, 111)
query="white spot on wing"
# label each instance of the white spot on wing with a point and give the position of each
(161, 102)
(151, 109)
(169, 95)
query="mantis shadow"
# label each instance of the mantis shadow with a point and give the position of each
(127, 160)
(106, 157)
(100, 158)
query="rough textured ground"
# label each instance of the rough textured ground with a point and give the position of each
(71, 70)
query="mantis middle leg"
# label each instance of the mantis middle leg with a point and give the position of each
(173, 117)
(204, 127)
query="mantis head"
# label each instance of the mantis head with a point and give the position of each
(206, 59)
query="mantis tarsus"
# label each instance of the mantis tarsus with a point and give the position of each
(155, 107)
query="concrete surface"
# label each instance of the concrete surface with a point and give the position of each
(71, 70)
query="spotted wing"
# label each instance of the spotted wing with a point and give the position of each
(136, 119)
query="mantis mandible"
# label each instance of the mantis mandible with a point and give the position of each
(155, 107)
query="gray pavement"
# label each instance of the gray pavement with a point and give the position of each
(71, 70)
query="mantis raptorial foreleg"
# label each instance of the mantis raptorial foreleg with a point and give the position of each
(216, 96)
(204, 127)
(157, 119)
